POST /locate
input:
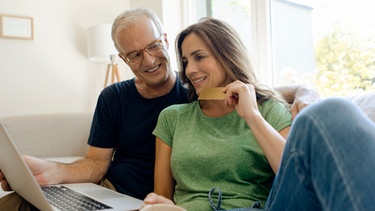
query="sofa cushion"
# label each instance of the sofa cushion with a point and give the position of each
(59, 137)
(49, 135)
(366, 103)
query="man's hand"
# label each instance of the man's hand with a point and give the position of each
(4, 184)
(38, 168)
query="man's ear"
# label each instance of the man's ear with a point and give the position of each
(165, 38)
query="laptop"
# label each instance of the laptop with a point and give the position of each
(23, 183)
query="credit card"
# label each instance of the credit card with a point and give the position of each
(212, 93)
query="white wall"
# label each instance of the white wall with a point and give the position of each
(52, 72)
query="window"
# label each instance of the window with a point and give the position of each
(344, 42)
(292, 43)
(327, 44)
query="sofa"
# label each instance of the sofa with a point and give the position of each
(366, 102)
(60, 137)
(63, 137)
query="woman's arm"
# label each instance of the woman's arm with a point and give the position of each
(163, 180)
(272, 142)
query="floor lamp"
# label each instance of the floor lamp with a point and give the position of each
(112, 69)
(101, 49)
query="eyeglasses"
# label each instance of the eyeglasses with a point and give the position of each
(136, 57)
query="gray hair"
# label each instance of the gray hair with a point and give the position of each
(130, 16)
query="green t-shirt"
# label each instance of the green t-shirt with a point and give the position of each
(218, 152)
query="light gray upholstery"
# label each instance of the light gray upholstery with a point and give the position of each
(61, 137)
(366, 102)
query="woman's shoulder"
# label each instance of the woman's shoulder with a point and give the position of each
(272, 104)
(176, 110)
(275, 113)
(183, 107)
(273, 107)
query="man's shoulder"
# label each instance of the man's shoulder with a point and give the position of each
(126, 85)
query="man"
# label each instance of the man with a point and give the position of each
(121, 145)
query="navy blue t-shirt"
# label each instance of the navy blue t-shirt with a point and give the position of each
(124, 120)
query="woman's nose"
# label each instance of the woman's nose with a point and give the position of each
(190, 69)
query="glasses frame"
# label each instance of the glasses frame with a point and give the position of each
(141, 52)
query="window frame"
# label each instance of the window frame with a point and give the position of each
(262, 40)
(261, 33)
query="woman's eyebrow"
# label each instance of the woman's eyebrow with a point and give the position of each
(195, 52)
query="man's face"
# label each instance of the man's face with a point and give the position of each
(142, 50)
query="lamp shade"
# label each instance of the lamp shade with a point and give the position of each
(99, 43)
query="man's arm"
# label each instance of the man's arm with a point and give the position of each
(91, 168)
(298, 96)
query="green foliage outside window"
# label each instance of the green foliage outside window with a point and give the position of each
(344, 58)
(345, 63)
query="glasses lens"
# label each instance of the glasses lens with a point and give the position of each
(151, 49)
(135, 57)
(154, 47)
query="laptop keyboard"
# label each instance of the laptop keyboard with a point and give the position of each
(67, 199)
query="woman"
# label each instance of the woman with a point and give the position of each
(231, 146)
(327, 163)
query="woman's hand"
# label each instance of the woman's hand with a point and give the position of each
(243, 97)
(153, 198)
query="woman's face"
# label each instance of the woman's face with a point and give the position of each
(201, 66)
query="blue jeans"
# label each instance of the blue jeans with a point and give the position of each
(328, 161)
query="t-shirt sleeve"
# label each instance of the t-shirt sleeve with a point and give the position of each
(276, 114)
(166, 125)
(102, 127)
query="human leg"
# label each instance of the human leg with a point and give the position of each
(13, 201)
(107, 184)
(328, 161)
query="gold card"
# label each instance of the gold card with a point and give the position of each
(212, 93)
